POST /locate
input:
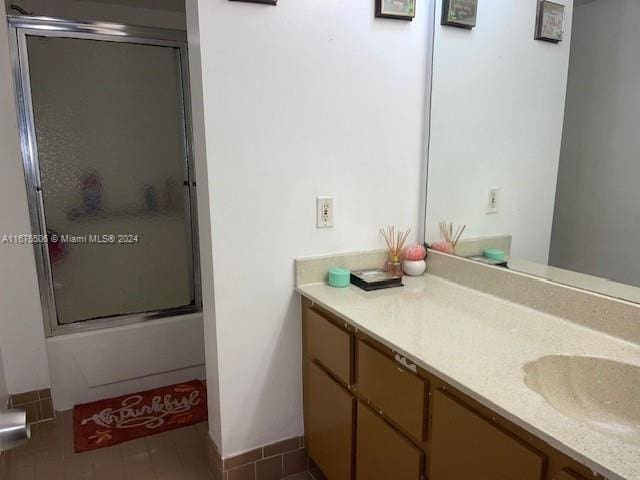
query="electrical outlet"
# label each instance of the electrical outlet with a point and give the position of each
(492, 200)
(324, 216)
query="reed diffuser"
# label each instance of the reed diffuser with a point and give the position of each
(449, 238)
(395, 241)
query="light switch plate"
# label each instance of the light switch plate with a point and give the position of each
(324, 216)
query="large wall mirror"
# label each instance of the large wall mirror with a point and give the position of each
(547, 131)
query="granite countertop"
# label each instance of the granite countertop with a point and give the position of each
(480, 344)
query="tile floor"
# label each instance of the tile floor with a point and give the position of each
(175, 455)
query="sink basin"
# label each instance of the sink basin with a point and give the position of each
(603, 393)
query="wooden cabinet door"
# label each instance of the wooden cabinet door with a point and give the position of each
(399, 393)
(382, 452)
(568, 474)
(330, 427)
(466, 446)
(330, 345)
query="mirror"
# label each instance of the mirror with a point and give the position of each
(535, 147)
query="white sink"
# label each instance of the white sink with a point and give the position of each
(601, 392)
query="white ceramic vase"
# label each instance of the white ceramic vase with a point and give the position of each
(414, 268)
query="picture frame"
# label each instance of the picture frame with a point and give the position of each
(459, 13)
(550, 21)
(263, 2)
(398, 9)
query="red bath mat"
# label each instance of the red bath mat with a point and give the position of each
(116, 420)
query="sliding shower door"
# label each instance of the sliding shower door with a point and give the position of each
(106, 146)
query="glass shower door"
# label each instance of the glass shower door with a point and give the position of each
(115, 194)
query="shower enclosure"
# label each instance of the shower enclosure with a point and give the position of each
(106, 141)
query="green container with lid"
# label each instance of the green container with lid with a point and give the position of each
(495, 254)
(339, 277)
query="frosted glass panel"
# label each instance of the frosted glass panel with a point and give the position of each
(111, 148)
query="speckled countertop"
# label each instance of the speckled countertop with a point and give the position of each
(480, 344)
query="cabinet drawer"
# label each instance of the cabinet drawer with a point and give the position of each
(383, 453)
(329, 422)
(465, 445)
(330, 345)
(398, 392)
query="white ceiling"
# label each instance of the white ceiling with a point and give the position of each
(172, 5)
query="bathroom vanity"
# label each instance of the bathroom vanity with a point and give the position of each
(436, 380)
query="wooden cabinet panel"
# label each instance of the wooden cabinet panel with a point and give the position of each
(331, 345)
(568, 474)
(465, 445)
(382, 452)
(399, 393)
(330, 417)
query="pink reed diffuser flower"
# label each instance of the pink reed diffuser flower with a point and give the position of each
(414, 264)
(415, 253)
(443, 246)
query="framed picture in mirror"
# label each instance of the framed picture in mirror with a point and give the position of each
(459, 13)
(398, 9)
(550, 21)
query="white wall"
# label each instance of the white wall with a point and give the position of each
(106, 12)
(156, 360)
(597, 219)
(204, 222)
(497, 110)
(300, 100)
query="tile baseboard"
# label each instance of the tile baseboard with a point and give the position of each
(37, 403)
(273, 461)
(214, 458)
